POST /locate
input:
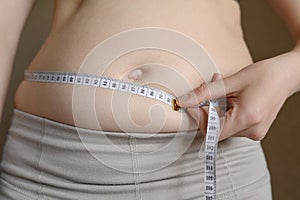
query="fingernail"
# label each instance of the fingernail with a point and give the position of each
(216, 77)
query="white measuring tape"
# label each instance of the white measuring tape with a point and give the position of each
(213, 125)
(99, 81)
(211, 141)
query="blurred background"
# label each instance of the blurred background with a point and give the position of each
(266, 36)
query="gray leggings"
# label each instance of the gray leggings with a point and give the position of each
(45, 159)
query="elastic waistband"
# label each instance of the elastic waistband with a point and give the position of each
(34, 122)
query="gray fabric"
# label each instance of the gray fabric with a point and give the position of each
(44, 159)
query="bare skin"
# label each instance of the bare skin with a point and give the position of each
(78, 26)
(257, 92)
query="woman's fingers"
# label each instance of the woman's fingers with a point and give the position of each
(200, 114)
(228, 125)
(208, 91)
(216, 77)
(254, 96)
(242, 121)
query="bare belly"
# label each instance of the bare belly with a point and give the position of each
(215, 25)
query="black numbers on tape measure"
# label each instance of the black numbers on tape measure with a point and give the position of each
(212, 127)
(52, 77)
(87, 81)
(95, 82)
(210, 147)
(161, 96)
(168, 100)
(71, 79)
(113, 84)
(209, 177)
(209, 197)
(211, 138)
(209, 167)
(209, 157)
(151, 93)
(133, 89)
(213, 118)
(104, 83)
(209, 188)
(143, 91)
(64, 78)
(124, 87)
(99, 81)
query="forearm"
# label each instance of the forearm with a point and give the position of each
(7, 53)
(286, 71)
(13, 14)
(288, 10)
(296, 65)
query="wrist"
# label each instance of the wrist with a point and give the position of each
(287, 67)
(294, 64)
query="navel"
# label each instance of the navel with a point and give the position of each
(135, 74)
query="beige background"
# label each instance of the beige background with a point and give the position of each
(266, 36)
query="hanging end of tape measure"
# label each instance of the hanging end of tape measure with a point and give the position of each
(175, 106)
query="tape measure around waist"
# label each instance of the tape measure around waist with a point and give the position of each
(99, 81)
(213, 125)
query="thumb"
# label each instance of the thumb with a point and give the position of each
(207, 91)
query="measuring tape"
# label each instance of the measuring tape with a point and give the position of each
(211, 145)
(211, 141)
(213, 125)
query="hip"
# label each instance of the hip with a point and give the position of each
(51, 160)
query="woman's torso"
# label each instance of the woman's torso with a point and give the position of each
(79, 26)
